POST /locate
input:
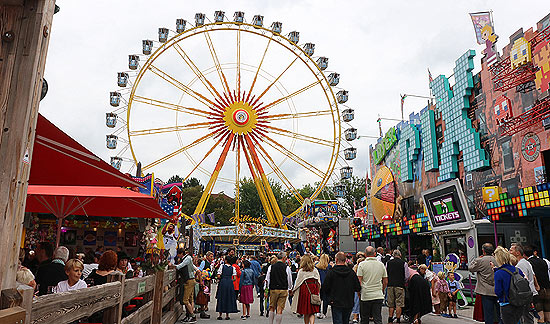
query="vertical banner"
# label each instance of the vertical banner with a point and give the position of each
(485, 34)
(197, 235)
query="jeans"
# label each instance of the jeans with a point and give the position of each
(324, 310)
(490, 306)
(371, 308)
(261, 301)
(340, 315)
(510, 314)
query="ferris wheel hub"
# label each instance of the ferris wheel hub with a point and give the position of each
(240, 117)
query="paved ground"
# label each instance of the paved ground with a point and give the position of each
(464, 316)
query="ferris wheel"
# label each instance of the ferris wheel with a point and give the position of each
(225, 100)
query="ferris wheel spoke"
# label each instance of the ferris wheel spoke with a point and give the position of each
(173, 81)
(259, 185)
(207, 84)
(208, 190)
(259, 68)
(295, 115)
(285, 98)
(197, 165)
(271, 197)
(178, 151)
(294, 157)
(274, 81)
(307, 138)
(237, 180)
(170, 129)
(239, 63)
(278, 172)
(217, 62)
(174, 107)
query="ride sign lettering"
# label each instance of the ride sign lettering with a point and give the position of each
(382, 148)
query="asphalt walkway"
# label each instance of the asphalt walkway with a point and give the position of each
(464, 315)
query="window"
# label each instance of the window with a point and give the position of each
(507, 155)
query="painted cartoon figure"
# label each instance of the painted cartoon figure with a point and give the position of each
(490, 39)
(520, 53)
(451, 264)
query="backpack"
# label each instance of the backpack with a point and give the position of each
(519, 293)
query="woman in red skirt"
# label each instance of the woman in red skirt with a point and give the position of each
(308, 282)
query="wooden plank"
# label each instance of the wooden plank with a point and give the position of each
(169, 296)
(10, 298)
(169, 276)
(157, 298)
(70, 306)
(28, 293)
(171, 317)
(138, 286)
(14, 315)
(19, 113)
(137, 317)
(113, 314)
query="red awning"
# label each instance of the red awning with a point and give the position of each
(63, 201)
(59, 160)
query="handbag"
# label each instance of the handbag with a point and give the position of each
(314, 298)
(202, 298)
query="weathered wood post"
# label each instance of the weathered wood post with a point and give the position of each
(25, 28)
(157, 297)
(114, 314)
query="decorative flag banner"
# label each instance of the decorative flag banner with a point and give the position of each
(484, 29)
(173, 194)
(167, 207)
(211, 218)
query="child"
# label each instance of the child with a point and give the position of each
(73, 269)
(454, 288)
(246, 288)
(442, 289)
(261, 280)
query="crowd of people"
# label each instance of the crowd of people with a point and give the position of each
(513, 286)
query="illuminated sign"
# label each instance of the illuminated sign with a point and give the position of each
(453, 103)
(248, 219)
(383, 147)
(491, 194)
(446, 207)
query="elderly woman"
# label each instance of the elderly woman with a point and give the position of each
(308, 282)
(420, 297)
(432, 279)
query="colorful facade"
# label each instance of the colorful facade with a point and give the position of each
(491, 130)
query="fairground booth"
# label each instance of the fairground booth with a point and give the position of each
(472, 165)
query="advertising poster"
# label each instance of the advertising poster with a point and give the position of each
(110, 238)
(89, 238)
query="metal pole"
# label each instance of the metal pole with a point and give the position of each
(409, 245)
(495, 229)
(542, 249)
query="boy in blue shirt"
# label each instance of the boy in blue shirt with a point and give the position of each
(454, 288)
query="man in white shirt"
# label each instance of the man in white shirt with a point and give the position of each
(525, 267)
(374, 279)
(279, 281)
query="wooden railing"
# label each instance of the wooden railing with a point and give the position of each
(158, 306)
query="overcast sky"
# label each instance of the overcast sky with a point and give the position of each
(380, 48)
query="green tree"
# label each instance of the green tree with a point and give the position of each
(175, 179)
(355, 190)
(191, 197)
(222, 207)
(249, 200)
(192, 182)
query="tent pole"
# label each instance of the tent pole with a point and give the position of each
(59, 224)
(542, 249)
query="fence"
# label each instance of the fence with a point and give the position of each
(158, 305)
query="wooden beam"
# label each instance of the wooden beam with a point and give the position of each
(22, 60)
(10, 298)
(14, 315)
(157, 298)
